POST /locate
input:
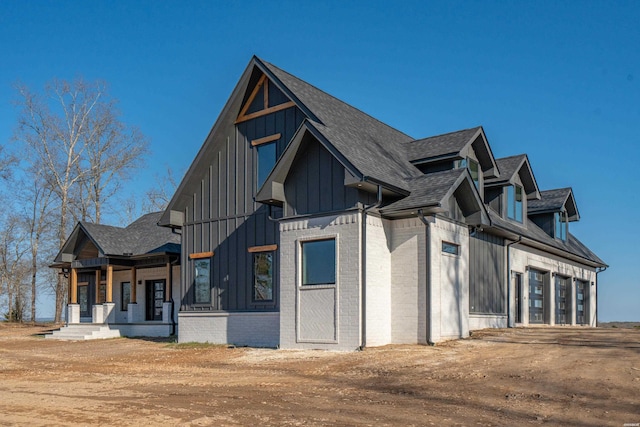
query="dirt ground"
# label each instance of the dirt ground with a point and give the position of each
(552, 376)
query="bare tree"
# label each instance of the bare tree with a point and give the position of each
(75, 136)
(158, 198)
(13, 267)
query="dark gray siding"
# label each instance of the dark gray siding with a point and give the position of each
(487, 291)
(315, 183)
(223, 217)
(544, 221)
(493, 197)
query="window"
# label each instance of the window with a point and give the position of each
(474, 169)
(265, 161)
(319, 262)
(202, 282)
(125, 295)
(514, 202)
(536, 296)
(263, 276)
(450, 248)
(561, 225)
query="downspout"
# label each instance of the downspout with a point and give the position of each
(428, 296)
(510, 322)
(173, 303)
(595, 317)
(363, 267)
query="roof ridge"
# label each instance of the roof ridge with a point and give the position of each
(334, 97)
(445, 134)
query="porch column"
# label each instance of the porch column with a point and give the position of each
(134, 285)
(109, 296)
(73, 291)
(98, 278)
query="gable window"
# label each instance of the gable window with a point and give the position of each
(514, 202)
(474, 169)
(319, 262)
(560, 219)
(201, 281)
(125, 295)
(263, 276)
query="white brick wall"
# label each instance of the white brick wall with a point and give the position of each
(449, 282)
(346, 229)
(255, 329)
(408, 272)
(378, 282)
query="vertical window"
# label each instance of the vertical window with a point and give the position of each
(125, 295)
(474, 169)
(515, 203)
(536, 296)
(202, 282)
(561, 225)
(263, 276)
(319, 262)
(266, 160)
(475, 172)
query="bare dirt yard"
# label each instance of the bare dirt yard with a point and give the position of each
(551, 376)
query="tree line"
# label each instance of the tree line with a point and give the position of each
(68, 157)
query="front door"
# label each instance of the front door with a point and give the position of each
(86, 295)
(154, 299)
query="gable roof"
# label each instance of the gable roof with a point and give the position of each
(450, 146)
(431, 192)
(371, 146)
(141, 237)
(555, 201)
(509, 167)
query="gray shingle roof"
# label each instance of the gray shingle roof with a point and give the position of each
(143, 236)
(374, 148)
(440, 145)
(533, 232)
(426, 190)
(550, 200)
(508, 167)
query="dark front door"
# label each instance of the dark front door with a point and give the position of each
(86, 293)
(518, 286)
(155, 298)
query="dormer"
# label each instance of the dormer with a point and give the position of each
(554, 211)
(467, 148)
(510, 194)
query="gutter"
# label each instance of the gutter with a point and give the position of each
(510, 321)
(595, 317)
(430, 333)
(363, 267)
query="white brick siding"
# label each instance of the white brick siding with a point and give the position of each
(378, 285)
(301, 326)
(255, 329)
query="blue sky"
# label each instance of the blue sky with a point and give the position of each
(557, 80)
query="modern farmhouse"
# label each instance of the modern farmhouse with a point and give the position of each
(306, 223)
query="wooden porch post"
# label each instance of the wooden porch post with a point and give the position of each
(109, 284)
(98, 278)
(73, 290)
(134, 286)
(167, 296)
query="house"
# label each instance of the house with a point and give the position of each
(307, 223)
(122, 280)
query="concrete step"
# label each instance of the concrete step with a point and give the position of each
(84, 331)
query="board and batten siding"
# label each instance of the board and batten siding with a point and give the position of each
(315, 183)
(223, 217)
(487, 291)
